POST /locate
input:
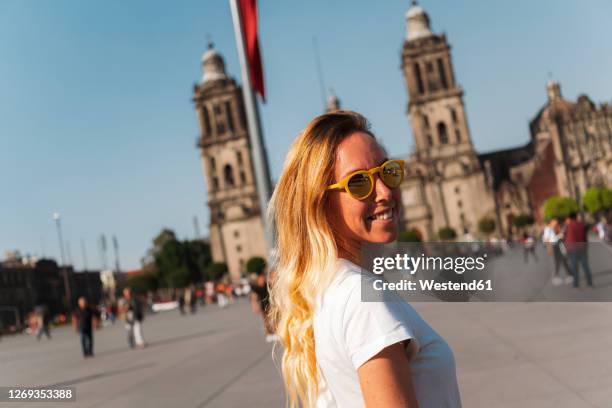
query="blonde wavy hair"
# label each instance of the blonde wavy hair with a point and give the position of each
(307, 250)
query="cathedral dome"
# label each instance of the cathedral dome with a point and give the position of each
(417, 22)
(333, 102)
(213, 66)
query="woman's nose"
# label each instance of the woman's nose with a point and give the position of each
(381, 190)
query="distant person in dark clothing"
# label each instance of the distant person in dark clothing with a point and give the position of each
(260, 302)
(133, 315)
(576, 244)
(181, 302)
(44, 319)
(84, 321)
(529, 247)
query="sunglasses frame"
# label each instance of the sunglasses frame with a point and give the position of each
(343, 184)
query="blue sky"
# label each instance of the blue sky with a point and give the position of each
(96, 119)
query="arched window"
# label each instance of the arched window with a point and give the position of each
(458, 135)
(419, 78)
(442, 134)
(442, 73)
(207, 127)
(230, 115)
(425, 121)
(228, 175)
(453, 115)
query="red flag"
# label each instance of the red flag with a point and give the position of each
(248, 12)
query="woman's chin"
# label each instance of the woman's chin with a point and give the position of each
(384, 237)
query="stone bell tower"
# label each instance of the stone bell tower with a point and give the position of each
(435, 106)
(236, 225)
(450, 179)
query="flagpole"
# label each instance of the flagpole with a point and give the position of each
(259, 155)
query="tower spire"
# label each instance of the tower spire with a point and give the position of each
(213, 66)
(417, 22)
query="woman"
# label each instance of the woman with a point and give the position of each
(339, 351)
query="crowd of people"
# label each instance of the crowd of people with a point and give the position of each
(566, 240)
(130, 309)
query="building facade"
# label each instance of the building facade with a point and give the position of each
(25, 286)
(236, 224)
(449, 184)
(446, 184)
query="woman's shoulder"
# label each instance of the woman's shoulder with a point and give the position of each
(347, 279)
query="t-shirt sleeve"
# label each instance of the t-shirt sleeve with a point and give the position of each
(370, 327)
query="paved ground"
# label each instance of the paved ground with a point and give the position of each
(508, 355)
(215, 358)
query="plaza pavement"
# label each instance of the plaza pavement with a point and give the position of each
(523, 355)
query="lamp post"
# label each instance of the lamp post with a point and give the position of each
(56, 217)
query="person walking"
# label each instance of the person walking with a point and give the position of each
(552, 238)
(181, 301)
(44, 320)
(338, 190)
(84, 321)
(260, 304)
(221, 297)
(133, 316)
(576, 244)
(528, 247)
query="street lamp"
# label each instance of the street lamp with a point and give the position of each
(56, 217)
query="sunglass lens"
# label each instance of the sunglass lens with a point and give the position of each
(392, 174)
(360, 185)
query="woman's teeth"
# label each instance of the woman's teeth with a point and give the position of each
(382, 216)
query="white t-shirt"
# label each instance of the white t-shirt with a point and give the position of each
(349, 332)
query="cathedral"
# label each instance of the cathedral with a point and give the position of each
(447, 184)
(236, 225)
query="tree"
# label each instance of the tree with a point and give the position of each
(216, 270)
(412, 235)
(143, 283)
(447, 233)
(597, 200)
(559, 207)
(175, 263)
(256, 264)
(486, 225)
(522, 220)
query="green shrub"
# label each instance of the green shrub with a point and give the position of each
(447, 233)
(256, 264)
(559, 207)
(486, 225)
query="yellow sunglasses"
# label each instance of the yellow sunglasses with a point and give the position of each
(360, 184)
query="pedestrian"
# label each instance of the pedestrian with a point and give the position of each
(191, 293)
(209, 292)
(552, 238)
(44, 320)
(84, 322)
(576, 244)
(528, 247)
(221, 297)
(600, 227)
(337, 191)
(608, 229)
(181, 301)
(133, 316)
(260, 304)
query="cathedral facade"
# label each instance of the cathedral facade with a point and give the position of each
(236, 224)
(449, 184)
